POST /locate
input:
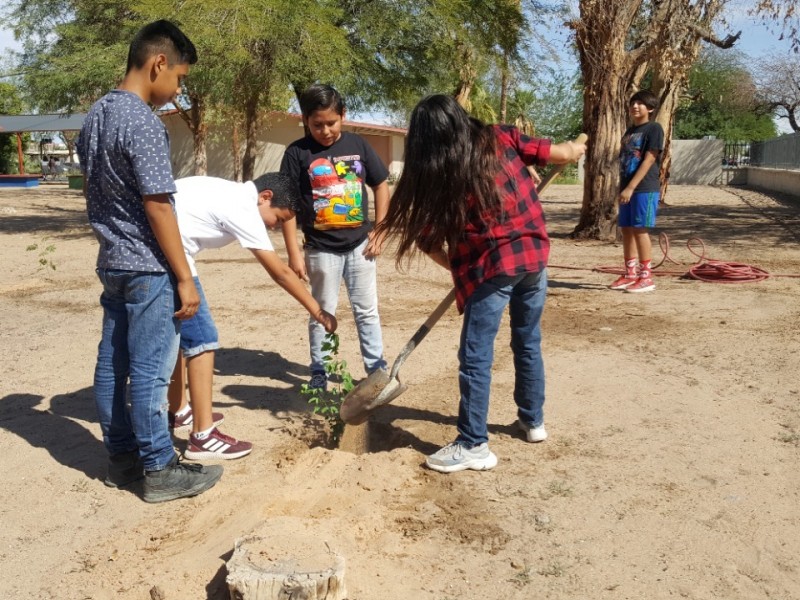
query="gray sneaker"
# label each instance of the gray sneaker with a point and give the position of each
(179, 480)
(124, 469)
(455, 457)
(532, 434)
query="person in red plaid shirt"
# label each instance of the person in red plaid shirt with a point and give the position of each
(466, 199)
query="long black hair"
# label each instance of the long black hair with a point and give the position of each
(449, 172)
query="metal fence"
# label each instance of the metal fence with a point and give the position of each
(778, 153)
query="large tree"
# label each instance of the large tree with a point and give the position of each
(721, 101)
(618, 44)
(777, 79)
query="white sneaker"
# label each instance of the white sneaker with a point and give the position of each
(532, 434)
(455, 457)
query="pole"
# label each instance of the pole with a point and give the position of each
(19, 154)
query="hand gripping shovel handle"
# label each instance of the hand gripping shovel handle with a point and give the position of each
(556, 171)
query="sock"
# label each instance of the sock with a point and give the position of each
(630, 267)
(201, 435)
(184, 411)
(645, 269)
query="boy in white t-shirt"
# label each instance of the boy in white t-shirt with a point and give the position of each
(213, 213)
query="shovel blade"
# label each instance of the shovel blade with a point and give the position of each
(374, 391)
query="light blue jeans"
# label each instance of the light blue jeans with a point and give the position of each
(139, 343)
(326, 270)
(525, 296)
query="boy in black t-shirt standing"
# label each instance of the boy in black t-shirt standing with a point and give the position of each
(640, 163)
(333, 169)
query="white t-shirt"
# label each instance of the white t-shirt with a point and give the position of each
(214, 212)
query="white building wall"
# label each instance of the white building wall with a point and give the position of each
(272, 140)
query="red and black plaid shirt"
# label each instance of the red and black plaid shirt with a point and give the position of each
(511, 243)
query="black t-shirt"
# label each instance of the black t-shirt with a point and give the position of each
(334, 215)
(638, 140)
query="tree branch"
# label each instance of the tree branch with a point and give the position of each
(709, 37)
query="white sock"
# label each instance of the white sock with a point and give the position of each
(184, 411)
(201, 435)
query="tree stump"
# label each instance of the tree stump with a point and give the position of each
(302, 568)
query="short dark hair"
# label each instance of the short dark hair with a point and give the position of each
(161, 37)
(285, 191)
(646, 97)
(321, 97)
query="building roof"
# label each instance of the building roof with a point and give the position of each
(353, 126)
(359, 127)
(50, 122)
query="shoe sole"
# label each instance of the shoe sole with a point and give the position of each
(156, 497)
(477, 464)
(623, 286)
(114, 484)
(650, 288)
(208, 455)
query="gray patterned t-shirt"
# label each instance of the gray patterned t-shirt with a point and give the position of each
(124, 152)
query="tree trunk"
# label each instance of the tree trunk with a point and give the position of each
(607, 68)
(235, 151)
(264, 567)
(467, 74)
(250, 132)
(604, 123)
(504, 90)
(195, 121)
(668, 93)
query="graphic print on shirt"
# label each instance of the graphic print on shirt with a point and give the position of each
(631, 155)
(336, 188)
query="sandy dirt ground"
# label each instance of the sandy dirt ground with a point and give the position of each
(671, 470)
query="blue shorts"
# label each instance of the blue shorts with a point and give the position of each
(199, 334)
(640, 211)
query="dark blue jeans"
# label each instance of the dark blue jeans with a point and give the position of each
(524, 295)
(139, 343)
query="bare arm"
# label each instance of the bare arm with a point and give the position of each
(162, 220)
(647, 162)
(375, 243)
(285, 277)
(566, 152)
(293, 250)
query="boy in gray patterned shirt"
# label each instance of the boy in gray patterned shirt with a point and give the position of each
(147, 283)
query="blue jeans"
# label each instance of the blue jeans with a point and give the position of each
(326, 271)
(525, 293)
(139, 343)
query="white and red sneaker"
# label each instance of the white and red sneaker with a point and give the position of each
(217, 446)
(643, 284)
(622, 282)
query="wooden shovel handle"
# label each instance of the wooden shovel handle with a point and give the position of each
(423, 331)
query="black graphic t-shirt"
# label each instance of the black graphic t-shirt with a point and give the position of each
(638, 140)
(333, 179)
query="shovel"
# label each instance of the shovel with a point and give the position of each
(381, 387)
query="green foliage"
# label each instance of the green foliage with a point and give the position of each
(326, 402)
(45, 255)
(555, 107)
(722, 102)
(10, 104)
